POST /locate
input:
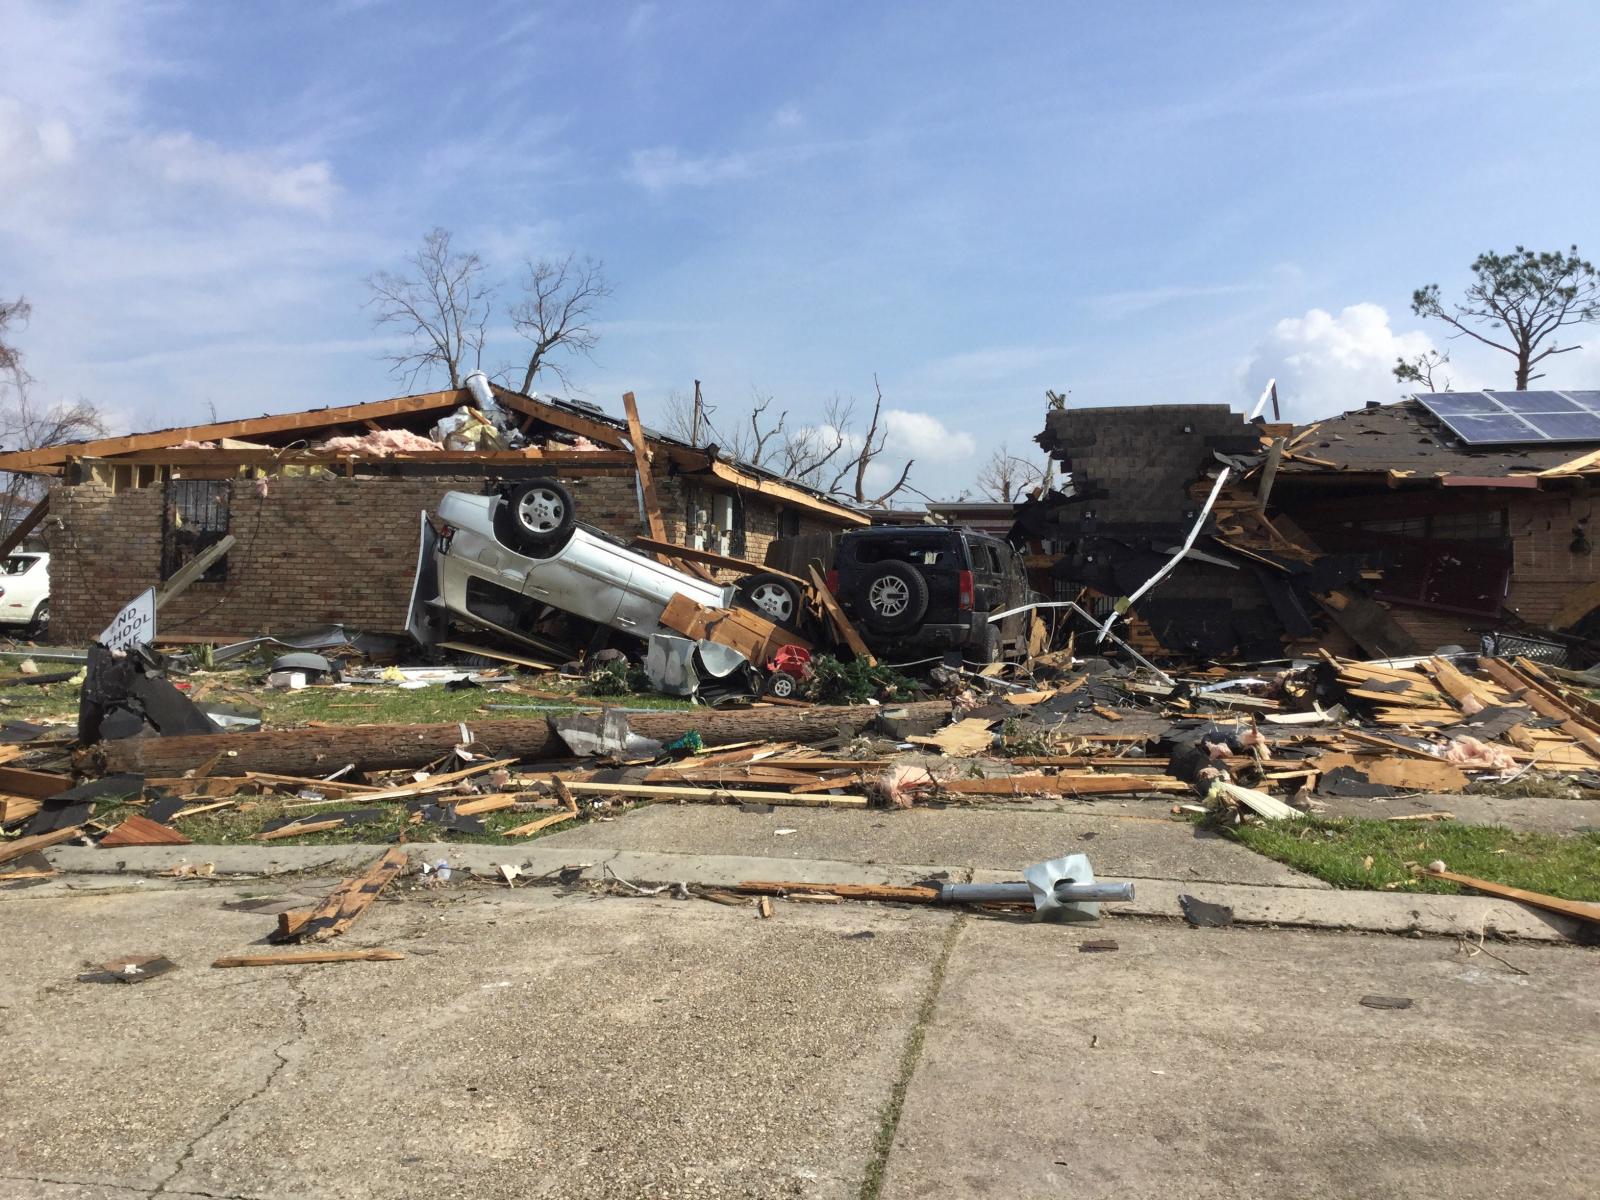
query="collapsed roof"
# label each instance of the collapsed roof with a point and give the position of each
(562, 434)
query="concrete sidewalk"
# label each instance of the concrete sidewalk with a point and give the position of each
(537, 1044)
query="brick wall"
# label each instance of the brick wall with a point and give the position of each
(310, 551)
(1545, 569)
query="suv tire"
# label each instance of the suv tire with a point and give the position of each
(540, 515)
(892, 597)
(770, 595)
(989, 648)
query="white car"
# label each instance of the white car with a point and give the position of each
(25, 590)
(504, 561)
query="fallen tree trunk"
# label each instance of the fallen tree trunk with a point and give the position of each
(324, 749)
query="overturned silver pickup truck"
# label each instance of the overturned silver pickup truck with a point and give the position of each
(511, 560)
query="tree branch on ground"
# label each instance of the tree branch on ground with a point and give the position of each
(440, 303)
(556, 313)
(1523, 298)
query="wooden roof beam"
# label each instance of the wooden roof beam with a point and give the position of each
(30, 461)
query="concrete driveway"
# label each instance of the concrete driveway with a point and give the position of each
(537, 1044)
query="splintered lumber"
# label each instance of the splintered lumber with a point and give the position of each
(304, 752)
(17, 808)
(37, 785)
(343, 905)
(437, 781)
(844, 891)
(1409, 774)
(142, 831)
(641, 463)
(1063, 785)
(1263, 805)
(647, 791)
(1568, 908)
(303, 957)
(722, 561)
(40, 841)
(964, 739)
(564, 794)
(840, 621)
(299, 829)
(533, 827)
(752, 635)
(471, 806)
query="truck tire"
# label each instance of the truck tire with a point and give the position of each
(892, 597)
(540, 515)
(988, 647)
(772, 596)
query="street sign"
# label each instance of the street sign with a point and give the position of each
(135, 625)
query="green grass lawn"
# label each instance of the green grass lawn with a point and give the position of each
(356, 704)
(1337, 851)
(239, 824)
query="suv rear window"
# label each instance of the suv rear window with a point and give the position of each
(931, 549)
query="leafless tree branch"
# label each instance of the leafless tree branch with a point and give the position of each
(556, 313)
(441, 303)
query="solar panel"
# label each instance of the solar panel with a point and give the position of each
(1517, 418)
(1449, 404)
(1568, 427)
(1535, 402)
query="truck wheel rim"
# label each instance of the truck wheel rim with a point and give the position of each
(773, 600)
(889, 597)
(540, 511)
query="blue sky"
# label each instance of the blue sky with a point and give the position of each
(1141, 203)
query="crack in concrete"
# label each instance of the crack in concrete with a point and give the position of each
(120, 1187)
(302, 1028)
(873, 1177)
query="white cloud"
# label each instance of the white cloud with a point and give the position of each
(924, 437)
(1326, 364)
(30, 145)
(663, 168)
(183, 159)
(788, 117)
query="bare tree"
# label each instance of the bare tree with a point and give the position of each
(1524, 298)
(441, 303)
(1007, 477)
(1425, 369)
(12, 312)
(26, 424)
(829, 455)
(851, 480)
(556, 312)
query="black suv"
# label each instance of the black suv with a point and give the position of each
(933, 587)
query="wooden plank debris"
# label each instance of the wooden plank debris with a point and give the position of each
(304, 957)
(23, 846)
(646, 791)
(138, 830)
(343, 905)
(1569, 908)
(1065, 784)
(965, 739)
(533, 827)
(840, 622)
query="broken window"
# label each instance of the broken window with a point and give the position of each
(194, 519)
(788, 523)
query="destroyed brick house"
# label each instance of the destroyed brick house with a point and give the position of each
(1382, 531)
(324, 505)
